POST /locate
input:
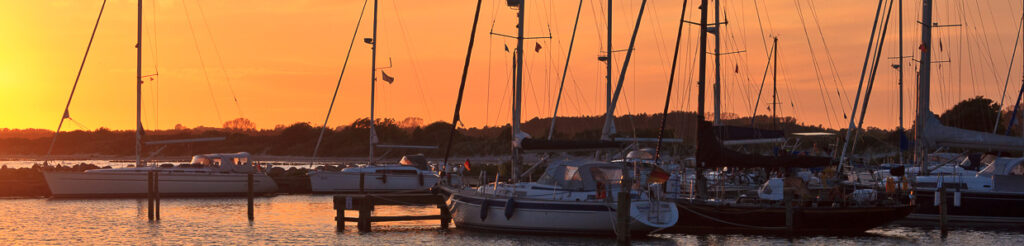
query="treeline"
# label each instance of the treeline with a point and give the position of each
(352, 140)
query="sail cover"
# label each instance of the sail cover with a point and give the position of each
(937, 134)
(713, 154)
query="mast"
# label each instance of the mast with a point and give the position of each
(775, 80)
(701, 76)
(608, 68)
(572, 40)
(718, 67)
(373, 82)
(609, 123)
(900, 129)
(462, 87)
(671, 80)
(138, 90)
(518, 97)
(923, 82)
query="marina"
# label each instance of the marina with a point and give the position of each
(622, 166)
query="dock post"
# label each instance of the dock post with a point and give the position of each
(149, 193)
(362, 180)
(365, 207)
(943, 209)
(250, 184)
(446, 216)
(787, 198)
(622, 214)
(340, 218)
(156, 194)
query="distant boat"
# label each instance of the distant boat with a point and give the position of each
(206, 175)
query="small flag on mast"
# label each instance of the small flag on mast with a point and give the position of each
(506, 47)
(466, 165)
(536, 48)
(387, 78)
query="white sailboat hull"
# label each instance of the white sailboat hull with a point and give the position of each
(538, 216)
(347, 182)
(134, 184)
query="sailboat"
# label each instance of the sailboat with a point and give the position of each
(993, 195)
(571, 197)
(773, 210)
(412, 174)
(206, 175)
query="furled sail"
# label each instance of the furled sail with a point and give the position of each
(714, 154)
(938, 135)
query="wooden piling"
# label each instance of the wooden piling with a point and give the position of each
(156, 194)
(250, 195)
(622, 214)
(943, 209)
(362, 181)
(446, 215)
(149, 193)
(787, 198)
(365, 209)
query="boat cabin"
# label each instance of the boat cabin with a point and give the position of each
(582, 176)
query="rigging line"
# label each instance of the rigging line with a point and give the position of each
(609, 115)
(867, 58)
(487, 104)
(1009, 69)
(565, 69)
(671, 80)
(156, 68)
(462, 85)
(764, 77)
(206, 74)
(220, 61)
(836, 79)
(412, 55)
(826, 95)
(66, 115)
(871, 78)
(344, 65)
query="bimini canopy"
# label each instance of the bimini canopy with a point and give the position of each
(713, 154)
(937, 134)
(418, 161)
(1005, 166)
(582, 175)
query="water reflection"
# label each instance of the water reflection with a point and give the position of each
(304, 219)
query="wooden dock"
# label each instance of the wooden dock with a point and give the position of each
(364, 203)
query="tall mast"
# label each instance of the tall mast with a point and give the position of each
(718, 67)
(608, 67)
(924, 81)
(138, 91)
(373, 82)
(671, 80)
(701, 75)
(518, 97)
(900, 129)
(775, 80)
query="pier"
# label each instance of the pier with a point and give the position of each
(365, 203)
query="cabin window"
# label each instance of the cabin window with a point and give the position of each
(572, 178)
(606, 175)
(1017, 170)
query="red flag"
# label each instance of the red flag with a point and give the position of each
(536, 48)
(387, 78)
(737, 68)
(923, 48)
(466, 165)
(657, 176)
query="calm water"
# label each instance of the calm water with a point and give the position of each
(308, 220)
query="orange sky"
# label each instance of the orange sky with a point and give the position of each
(282, 59)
